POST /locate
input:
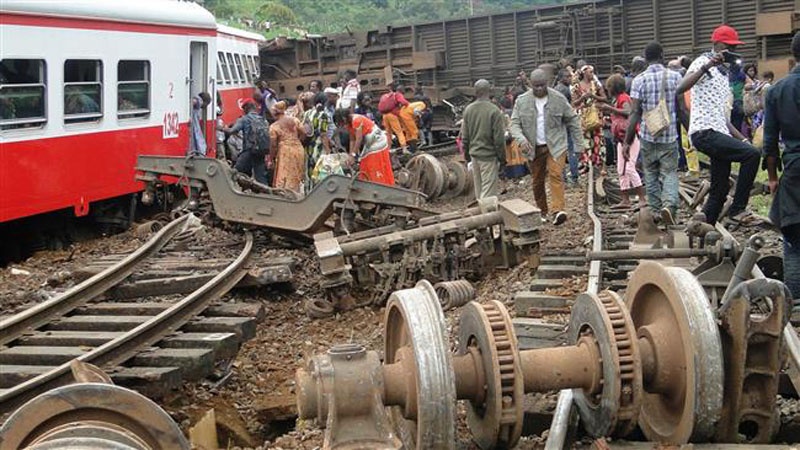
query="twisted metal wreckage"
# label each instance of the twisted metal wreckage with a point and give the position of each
(400, 242)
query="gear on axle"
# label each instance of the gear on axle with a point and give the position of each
(497, 421)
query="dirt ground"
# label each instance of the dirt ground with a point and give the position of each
(254, 404)
(259, 395)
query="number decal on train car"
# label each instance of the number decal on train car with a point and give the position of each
(171, 126)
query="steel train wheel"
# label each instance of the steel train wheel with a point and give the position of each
(428, 175)
(91, 415)
(615, 409)
(497, 422)
(683, 399)
(414, 321)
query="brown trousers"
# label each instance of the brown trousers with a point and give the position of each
(545, 166)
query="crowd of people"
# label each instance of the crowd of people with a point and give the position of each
(648, 121)
(657, 115)
(293, 143)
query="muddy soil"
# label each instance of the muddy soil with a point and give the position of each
(254, 403)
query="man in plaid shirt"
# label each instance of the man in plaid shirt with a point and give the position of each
(660, 152)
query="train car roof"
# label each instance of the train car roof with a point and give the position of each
(231, 31)
(153, 12)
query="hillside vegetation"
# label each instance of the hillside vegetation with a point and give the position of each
(297, 17)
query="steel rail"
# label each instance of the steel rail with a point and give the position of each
(557, 436)
(32, 318)
(145, 335)
(790, 335)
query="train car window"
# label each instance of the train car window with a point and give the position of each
(224, 64)
(83, 87)
(238, 59)
(133, 89)
(256, 67)
(232, 67)
(248, 70)
(22, 93)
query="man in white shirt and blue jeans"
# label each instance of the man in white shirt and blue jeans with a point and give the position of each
(711, 131)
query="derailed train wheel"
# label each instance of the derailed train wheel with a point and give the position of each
(486, 330)
(91, 416)
(416, 334)
(615, 408)
(681, 354)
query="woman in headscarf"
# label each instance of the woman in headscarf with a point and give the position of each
(286, 150)
(586, 93)
(368, 144)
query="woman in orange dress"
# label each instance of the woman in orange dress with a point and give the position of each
(368, 144)
(286, 150)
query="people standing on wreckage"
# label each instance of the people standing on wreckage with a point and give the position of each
(781, 119)
(541, 121)
(255, 142)
(483, 128)
(711, 129)
(389, 106)
(286, 150)
(654, 112)
(369, 146)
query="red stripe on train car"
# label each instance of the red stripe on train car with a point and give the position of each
(44, 175)
(9, 18)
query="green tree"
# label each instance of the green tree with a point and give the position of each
(276, 12)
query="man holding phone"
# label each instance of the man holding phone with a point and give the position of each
(710, 128)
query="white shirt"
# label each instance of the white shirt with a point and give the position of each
(541, 135)
(711, 99)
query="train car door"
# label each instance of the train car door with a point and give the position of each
(198, 74)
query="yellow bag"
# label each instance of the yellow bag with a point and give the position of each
(590, 119)
(758, 137)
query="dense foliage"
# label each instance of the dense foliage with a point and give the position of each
(333, 16)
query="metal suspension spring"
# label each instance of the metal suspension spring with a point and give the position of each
(453, 294)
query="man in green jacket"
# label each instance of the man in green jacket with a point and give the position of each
(483, 138)
(541, 119)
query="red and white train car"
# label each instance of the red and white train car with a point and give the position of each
(237, 69)
(85, 87)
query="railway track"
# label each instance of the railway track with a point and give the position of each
(150, 344)
(608, 235)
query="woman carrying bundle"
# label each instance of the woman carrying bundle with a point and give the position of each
(368, 145)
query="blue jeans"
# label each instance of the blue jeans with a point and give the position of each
(252, 166)
(791, 260)
(661, 175)
(572, 158)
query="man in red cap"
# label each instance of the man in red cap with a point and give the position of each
(711, 131)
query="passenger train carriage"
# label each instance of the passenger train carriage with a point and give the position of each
(87, 85)
(237, 69)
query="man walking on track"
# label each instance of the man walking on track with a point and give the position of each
(483, 137)
(541, 121)
(653, 104)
